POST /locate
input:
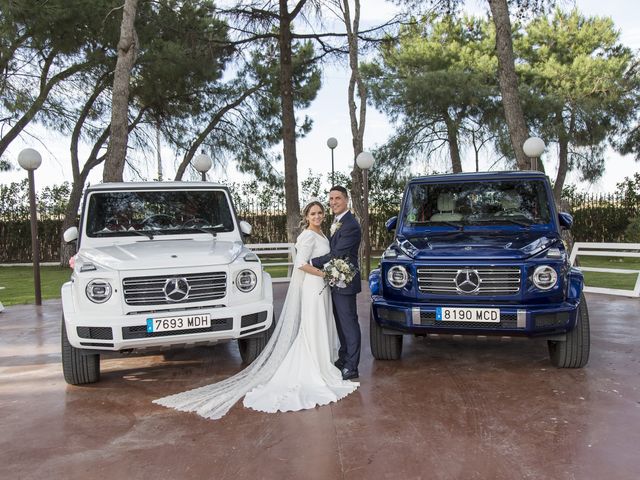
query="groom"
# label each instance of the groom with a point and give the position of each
(344, 242)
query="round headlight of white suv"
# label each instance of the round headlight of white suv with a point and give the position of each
(545, 277)
(397, 276)
(246, 281)
(98, 291)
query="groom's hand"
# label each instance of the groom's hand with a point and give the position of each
(319, 262)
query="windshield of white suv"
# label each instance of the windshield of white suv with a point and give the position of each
(509, 202)
(158, 212)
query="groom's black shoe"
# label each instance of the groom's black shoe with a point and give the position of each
(349, 374)
(339, 363)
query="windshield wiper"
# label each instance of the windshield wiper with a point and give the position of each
(499, 220)
(517, 222)
(457, 225)
(144, 233)
(205, 230)
(120, 233)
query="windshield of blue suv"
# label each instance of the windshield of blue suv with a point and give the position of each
(503, 202)
(164, 212)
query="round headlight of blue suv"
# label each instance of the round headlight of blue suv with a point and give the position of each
(98, 291)
(397, 276)
(545, 277)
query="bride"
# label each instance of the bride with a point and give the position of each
(295, 371)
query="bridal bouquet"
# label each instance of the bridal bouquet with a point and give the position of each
(338, 272)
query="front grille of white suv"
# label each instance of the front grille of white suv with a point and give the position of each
(175, 289)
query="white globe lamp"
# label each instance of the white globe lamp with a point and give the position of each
(533, 147)
(202, 163)
(29, 159)
(365, 160)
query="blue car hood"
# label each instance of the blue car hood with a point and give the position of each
(477, 245)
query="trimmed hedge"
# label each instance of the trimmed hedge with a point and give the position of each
(597, 218)
(15, 241)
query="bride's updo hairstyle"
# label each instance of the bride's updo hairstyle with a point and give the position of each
(305, 211)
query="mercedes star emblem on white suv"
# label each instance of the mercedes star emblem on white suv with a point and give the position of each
(176, 289)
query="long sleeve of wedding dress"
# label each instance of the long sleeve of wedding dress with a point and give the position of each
(294, 370)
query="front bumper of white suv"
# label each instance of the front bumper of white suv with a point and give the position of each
(132, 318)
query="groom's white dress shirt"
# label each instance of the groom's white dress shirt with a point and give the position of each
(337, 218)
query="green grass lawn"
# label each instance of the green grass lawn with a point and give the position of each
(624, 281)
(18, 283)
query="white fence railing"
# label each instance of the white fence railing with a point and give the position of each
(609, 250)
(267, 251)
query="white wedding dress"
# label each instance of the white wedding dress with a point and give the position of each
(295, 371)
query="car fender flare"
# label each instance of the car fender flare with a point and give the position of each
(575, 284)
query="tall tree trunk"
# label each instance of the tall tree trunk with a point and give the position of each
(509, 81)
(127, 47)
(285, 40)
(357, 112)
(70, 218)
(563, 153)
(79, 177)
(454, 149)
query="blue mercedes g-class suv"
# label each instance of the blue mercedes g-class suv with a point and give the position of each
(480, 254)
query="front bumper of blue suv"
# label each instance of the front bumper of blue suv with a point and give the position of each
(486, 319)
(415, 308)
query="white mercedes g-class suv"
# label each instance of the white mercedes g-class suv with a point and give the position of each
(159, 265)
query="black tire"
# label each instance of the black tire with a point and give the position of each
(251, 347)
(574, 352)
(383, 346)
(271, 329)
(78, 368)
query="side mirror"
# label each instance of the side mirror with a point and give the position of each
(565, 219)
(245, 228)
(391, 224)
(70, 234)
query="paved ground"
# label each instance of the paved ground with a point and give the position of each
(448, 410)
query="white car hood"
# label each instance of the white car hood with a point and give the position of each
(163, 254)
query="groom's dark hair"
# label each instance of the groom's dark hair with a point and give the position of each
(341, 189)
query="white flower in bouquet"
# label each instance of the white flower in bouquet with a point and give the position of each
(338, 273)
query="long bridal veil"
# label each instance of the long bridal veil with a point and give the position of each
(214, 401)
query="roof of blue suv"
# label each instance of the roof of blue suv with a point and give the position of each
(471, 176)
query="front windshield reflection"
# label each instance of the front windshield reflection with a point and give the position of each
(150, 213)
(519, 203)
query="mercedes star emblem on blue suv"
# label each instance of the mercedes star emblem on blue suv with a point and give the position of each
(467, 281)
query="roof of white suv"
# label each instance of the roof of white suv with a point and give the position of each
(155, 185)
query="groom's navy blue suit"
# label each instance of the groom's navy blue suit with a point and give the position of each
(344, 243)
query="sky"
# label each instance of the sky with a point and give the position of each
(331, 119)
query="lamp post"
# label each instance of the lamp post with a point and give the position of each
(332, 143)
(202, 162)
(533, 148)
(365, 161)
(30, 159)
